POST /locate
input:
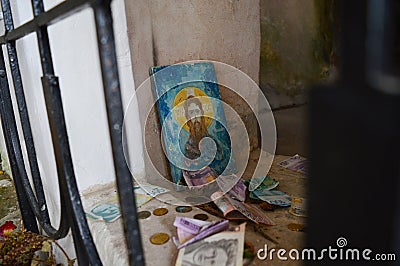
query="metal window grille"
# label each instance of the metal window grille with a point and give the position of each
(31, 200)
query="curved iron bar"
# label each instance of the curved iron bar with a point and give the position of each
(26, 210)
(67, 184)
(69, 193)
(86, 250)
(39, 207)
(15, 149)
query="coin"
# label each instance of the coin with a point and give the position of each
(143, 214)
(160, 211)
(296, 227)
(183, 209)
(201, 216)
(159, 238)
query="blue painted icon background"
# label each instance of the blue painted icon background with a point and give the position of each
(167, 81)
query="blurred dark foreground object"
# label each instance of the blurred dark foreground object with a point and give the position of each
(354, 186)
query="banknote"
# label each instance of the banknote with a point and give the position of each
(191, 230)
(252, 213)
(105, 212)
(235, 186)
(275, 197)
(200, 177)
(224, 248)
(227, 183)
(146, 192)
(267, 183)
(183, 236)
(192, 226)
(150, 190)
(295, 163)
(236, 210)
(206, 231)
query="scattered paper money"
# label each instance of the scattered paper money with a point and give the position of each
(183, 236)
(224, 248)
(267, 183)
(230, 204)
(206, 231)
(150, 190)
(236, 210)
(238, 191)
(296, 163)
(275, 197)
(200, 177)
(189, 225)
(109, 211)
(231, 184)
(192, 230)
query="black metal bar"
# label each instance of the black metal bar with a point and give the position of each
(23, 112)
(47, 18)
(80, 250)
(108, 61)
(43, 41)
(7, 114)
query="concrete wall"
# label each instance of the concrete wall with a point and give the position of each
(74, 47)
(167, 32)
(296, 43)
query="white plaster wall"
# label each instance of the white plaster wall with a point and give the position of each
(75, 55)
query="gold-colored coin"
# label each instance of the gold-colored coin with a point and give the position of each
(159, 238)
(183, 209)
(201, 216)
(144, 214)
(296, 227)
(160, 211)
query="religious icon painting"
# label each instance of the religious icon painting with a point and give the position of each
(193, 124)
